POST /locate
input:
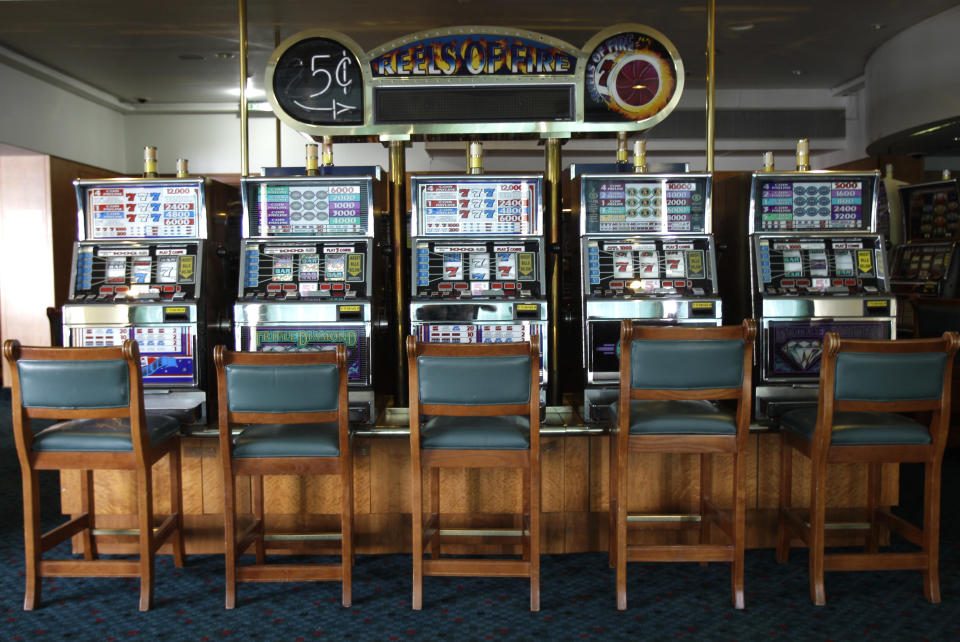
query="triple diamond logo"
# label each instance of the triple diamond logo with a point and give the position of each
(802, 353)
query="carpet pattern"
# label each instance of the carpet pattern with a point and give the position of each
(667, 601)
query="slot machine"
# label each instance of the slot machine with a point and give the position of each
(927, 263)
(145, 267)
(477, 271)
(647, 253)
(818, 265)
(306, 272)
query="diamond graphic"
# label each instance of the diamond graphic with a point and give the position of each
(803, 353)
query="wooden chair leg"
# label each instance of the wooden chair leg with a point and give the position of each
(705, 496)
(818, 498)
(739, 528)
(88, 506)
(256, 491)
(417, 542)
(534, 477)
(873, 503)
(435, 510)
(523, 522)
(31, 539)
(786, 491)
(931, 529)
(346, 532)
(230, 538)
(145, 518)
(176, 505)
(621, 530)
(612, 535)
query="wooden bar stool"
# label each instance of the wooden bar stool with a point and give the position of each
(99, 391)
(294, 412)
(863, 385)
(668, 377)
(474, 406)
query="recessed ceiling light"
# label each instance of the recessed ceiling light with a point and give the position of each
(190, 56)
(797, 72)
(226, 55)
(877, 26)
(742, 27)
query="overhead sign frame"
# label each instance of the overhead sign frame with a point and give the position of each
(475, 80)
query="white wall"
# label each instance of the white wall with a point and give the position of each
(39, 116)
(914, 78)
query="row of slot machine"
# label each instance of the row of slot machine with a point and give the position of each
(155, 261)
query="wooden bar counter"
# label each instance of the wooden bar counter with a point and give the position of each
(574, 504)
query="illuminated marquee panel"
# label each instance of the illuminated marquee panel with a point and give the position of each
(314, 338)
(166, 352)
(142, 210)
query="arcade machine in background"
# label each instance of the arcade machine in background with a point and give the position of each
(817, 266)
(927, 264)
(306, 268)
(647, 253)
(478, 259)
(148, 265)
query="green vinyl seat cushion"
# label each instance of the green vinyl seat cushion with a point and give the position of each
(661, 417)
(859, 428)
(289, 440)
(102, 435)
(509, 432)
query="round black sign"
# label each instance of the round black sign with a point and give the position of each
(318, 81)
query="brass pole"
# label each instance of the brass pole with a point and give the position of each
(711, 79)
(398, 173)
(244, 122)
(552, 206)
(279, 161)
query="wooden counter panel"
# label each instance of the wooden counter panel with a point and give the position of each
(574, 499)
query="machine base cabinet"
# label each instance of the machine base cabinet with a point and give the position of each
(575, 473)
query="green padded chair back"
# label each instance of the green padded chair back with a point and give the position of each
(474, 381)
(282, 389)
(686, 365)
(74, 385)
(864, 376)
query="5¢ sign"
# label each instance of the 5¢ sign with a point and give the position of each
(319, 81)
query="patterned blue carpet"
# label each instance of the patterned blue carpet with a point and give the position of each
(577, 601)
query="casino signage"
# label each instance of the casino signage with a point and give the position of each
(475, 80)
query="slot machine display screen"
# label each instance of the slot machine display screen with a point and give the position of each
(932, 211)
(141, 270)
(484, 268)
(813, 203)
(648, 266)
(143, 211)
(478, 207)
(308, 268)
(631, 205)
(825, 265)
(308, 208)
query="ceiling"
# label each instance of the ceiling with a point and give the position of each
(179, 51)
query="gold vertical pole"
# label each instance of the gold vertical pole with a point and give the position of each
(552, 205)
(398, 174)
(244, 122)
(279, 161)
(711, 79)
